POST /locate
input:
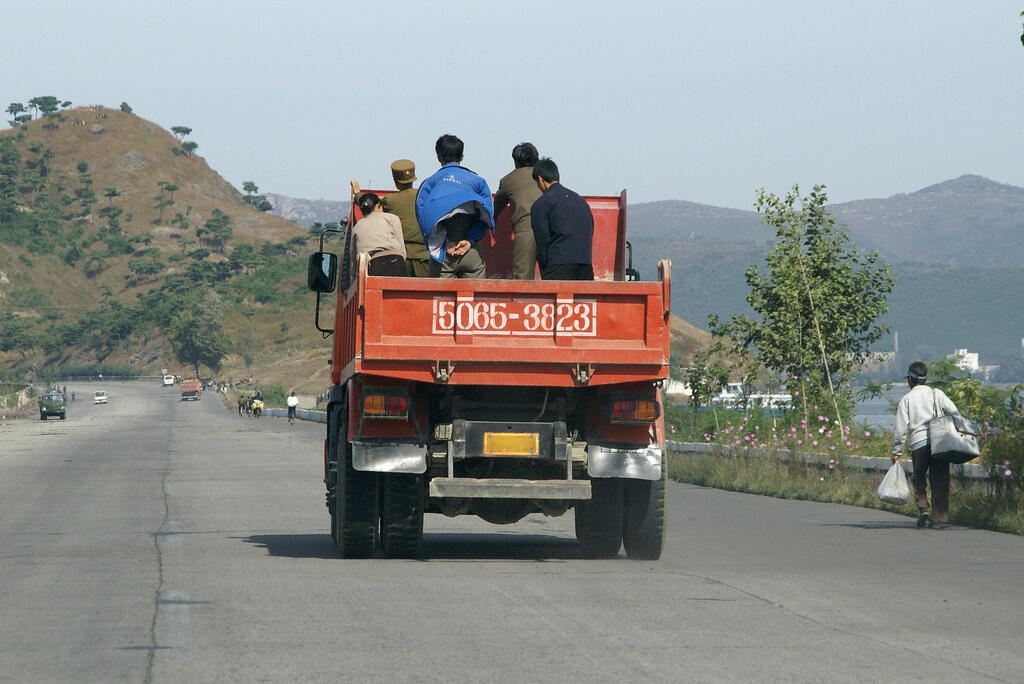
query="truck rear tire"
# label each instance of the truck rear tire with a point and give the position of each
(643, 529)
(401, 515)
(354, 525)
(599, 521)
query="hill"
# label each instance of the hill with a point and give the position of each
(111, 227)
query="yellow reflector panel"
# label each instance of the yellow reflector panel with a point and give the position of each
(511, 443)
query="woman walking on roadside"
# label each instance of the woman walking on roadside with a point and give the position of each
(915, 410)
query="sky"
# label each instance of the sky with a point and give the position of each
(699, 101)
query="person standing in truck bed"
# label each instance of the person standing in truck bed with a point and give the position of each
(518, 191)
(563, 227)
(403, 205)
(455, 209)
(378, 232)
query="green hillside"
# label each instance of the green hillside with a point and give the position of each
(111, 226)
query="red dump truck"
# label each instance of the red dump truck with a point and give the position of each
(191, 389)
(496, 397)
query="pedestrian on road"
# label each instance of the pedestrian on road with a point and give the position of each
(915, 410)
(293, 402)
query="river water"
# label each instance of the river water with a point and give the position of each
(879, 413)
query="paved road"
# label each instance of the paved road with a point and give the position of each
(151, 540)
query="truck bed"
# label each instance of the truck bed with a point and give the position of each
(504, 332)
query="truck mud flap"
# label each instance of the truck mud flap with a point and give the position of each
(389, 458)
(631, 464)
(469, 488)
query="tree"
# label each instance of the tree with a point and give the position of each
(15, 109)
(818, 305)
(126, 108)
(189, 147)
(111, 193)
(198, 338)
(252, 196)
(180, 132)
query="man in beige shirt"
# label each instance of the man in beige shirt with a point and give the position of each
(518, 191)
(378, 232)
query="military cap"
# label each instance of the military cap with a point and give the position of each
(403, 171)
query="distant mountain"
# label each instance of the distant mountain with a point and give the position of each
(306, 212)
(969, 221)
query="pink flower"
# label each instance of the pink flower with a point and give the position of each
(799, 441)
(867, 433)
(849, 443)
(815, 442)
(822, 479)
(833, 448)
(1008, 472)
(831, 461)
(830, 467)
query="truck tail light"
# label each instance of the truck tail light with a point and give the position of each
(386, 406)
(633, 411)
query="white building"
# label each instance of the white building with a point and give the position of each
(965, 360)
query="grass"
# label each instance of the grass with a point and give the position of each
(971, 507)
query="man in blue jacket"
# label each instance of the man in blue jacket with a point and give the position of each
(454, 210)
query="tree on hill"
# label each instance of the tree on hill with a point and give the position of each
(818, 305)
(252, 196)
(126, 108)
(180, 132)
(189, 147)
(15, 109)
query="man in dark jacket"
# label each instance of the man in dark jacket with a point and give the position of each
(563, 227)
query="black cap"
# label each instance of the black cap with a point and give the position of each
(917, 371)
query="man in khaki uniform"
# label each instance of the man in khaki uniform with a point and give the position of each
(518, 191)
(403, 205)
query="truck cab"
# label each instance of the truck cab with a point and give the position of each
(52, 404)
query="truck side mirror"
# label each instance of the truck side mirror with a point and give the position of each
(322, 274)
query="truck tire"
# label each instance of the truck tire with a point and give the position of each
(643, 529)
(401, 515)
(354, 525)
(599, 521)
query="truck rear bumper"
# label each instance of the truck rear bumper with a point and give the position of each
(389, 458)
(634, 464)
(469, 488)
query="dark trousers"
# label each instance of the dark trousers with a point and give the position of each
(568, 272)
(935, 473)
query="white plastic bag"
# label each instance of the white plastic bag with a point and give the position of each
(894, 488)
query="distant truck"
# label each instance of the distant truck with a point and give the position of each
(191, 389)
(496, 397)
(52, 404)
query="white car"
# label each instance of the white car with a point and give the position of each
(99, 397)
(168, 380)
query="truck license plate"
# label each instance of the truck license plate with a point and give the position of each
(511, 444)
(515, 317)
